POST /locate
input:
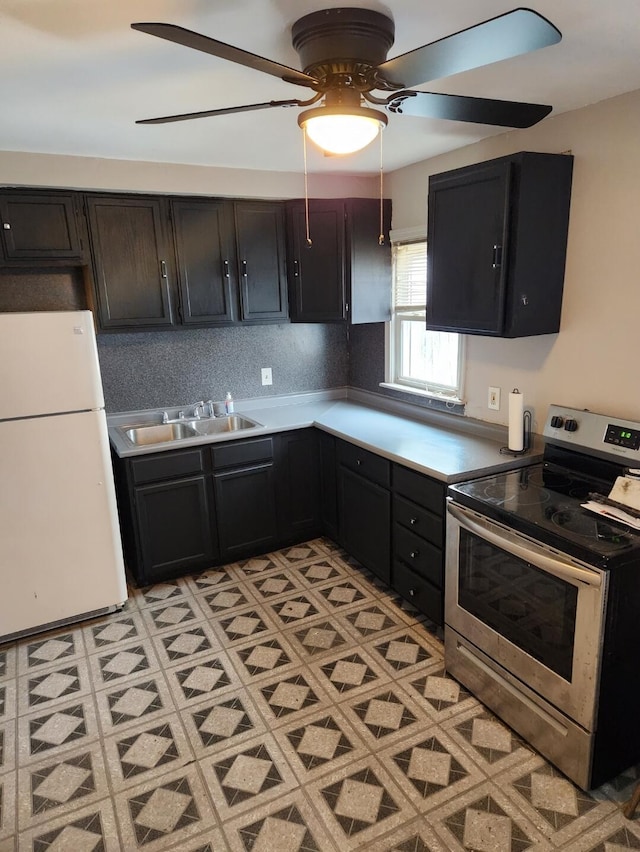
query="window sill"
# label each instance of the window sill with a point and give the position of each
(451, 402)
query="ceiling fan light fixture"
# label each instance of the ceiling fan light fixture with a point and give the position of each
(341, 129)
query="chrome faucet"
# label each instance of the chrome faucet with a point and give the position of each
(198, 409)
(209, 408)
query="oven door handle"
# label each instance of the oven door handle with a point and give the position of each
(553, 565)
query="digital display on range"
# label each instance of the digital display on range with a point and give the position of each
(622, 437)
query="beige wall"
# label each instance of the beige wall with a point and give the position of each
(594, 362)
(51, 170)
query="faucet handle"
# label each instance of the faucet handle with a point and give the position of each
(198, 409)
(208, 406)
(165, 416)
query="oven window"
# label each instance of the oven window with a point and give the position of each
(531, 608)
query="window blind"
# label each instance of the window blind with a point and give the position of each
(410, 279)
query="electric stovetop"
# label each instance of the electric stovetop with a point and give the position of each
(584, 453)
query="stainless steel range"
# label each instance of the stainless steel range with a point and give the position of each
(542, 602)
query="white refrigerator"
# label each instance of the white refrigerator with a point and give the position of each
(60, 551)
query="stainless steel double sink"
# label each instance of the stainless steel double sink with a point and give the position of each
(161, 433)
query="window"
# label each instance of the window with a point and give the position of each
(418, 360)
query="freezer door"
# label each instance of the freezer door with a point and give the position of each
(48, 364)
(60, 550)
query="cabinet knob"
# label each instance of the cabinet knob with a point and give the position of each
(414, 554)
(413, 521)
(358, 462)
(6, 226)
(412, 592)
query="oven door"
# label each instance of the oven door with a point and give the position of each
(537, 613)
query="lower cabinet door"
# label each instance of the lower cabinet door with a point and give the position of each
(245, 511)
(175, 530)
(365, 521)
(298, 485)
(426, 597)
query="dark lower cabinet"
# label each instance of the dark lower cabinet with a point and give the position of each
(364, 508)
(418, 540)
(186, 510)
(174, 527)
(297, 485)
(165, 502)
(245, 511)
(328, 485)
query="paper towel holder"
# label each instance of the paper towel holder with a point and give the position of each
(526, 434)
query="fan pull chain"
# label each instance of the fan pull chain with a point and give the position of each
(306, 188)
(381, 234)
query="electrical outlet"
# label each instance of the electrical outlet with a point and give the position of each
(493, 400)
(267, 378)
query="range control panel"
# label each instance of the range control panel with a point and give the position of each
(591, 432)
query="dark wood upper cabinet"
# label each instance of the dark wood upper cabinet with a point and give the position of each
(497, 236)
(39, 227)
(132, 261)
(260, 241)
(205, 260)
(368, 261)
(345, 274)
(317, 271)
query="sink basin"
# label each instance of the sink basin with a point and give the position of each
(160, 433)
(231, 423)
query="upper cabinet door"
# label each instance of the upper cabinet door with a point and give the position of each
(317, 271)
(261, 261)
(39, 227)
(497, 241)
(369, 280)
(466, 250)
(131, 261)
(205, 256)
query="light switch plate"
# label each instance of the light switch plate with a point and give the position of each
(267, 377)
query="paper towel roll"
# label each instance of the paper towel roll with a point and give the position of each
(516, 422)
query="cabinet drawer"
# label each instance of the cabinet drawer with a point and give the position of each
(367, 464)
(421, 489)
(423, 557)
(419, 520)
(420, 592)
(166, 466)
(238, 453)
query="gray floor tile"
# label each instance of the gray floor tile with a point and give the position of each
(290, 702)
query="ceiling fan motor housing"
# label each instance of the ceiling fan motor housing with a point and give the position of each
(341, 41)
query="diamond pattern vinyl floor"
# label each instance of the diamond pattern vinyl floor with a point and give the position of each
(287, 703)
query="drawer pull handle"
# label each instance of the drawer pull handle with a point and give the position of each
(413, 521)
(414, 554)
(412, 592)
(358, 462)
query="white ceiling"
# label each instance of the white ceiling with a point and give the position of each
(76, 77)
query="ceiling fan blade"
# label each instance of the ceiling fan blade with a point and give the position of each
(503, 37)
(225, 111)
(179, 35)
(460, 108)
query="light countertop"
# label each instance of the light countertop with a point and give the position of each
(448, 449)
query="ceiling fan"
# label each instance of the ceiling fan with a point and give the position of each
(343, 54)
